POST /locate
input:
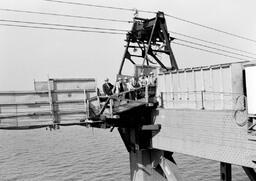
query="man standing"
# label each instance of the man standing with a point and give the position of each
(143, 80)
(107, 87)
(152, 79)
(119, 86)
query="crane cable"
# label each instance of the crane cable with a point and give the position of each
(121, 21)
(113, 31)
(101, 6)
(61, 25)
(146, 11)
(209, 51)
(210, 42)
(218, 49)
(65, 15)
(65, 29)
(211, 28)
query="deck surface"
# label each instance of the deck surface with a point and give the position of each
(215, 135)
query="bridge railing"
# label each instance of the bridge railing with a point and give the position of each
(142, 94)
(35, 109)
(203, 100)
(44, 108)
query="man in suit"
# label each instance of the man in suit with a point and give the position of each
(119, 86)
(107, 87)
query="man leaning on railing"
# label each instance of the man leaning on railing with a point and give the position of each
(107, 87)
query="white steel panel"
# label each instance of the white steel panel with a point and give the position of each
(250, 73)
(216, 87)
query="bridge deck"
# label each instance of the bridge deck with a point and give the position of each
(215, 135)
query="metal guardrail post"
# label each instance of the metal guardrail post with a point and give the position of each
(111, 107)
(202, 99)
(87, 103)
(52, 108)
(146, 93)
(87, 109)
(162, 99)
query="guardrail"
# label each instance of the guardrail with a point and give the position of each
(142, 94)
(203, 100)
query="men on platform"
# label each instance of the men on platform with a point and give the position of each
(107, 87)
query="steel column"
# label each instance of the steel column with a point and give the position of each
(225, 172)
(250, 172)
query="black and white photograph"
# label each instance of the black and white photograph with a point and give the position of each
(119, 90)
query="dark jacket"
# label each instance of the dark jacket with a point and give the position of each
(107, 88)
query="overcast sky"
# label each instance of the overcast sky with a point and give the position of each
(28, 54)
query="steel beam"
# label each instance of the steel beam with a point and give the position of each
(225, 172)
(250, 172)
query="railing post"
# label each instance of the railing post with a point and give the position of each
(87, 109)
(52, 103)
(225, 172)
(146, 93)
(162, 99)
(86, 104)
(202, 99)
(111, 107)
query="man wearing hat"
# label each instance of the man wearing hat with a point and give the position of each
(107, 87)
(125, 84)
(142, 80)
(119, 86)
(152, 79)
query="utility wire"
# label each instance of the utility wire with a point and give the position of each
(61, 25)
(210, 42)
(209, 51)
(65, 15)
(65, 29)
(211, 28)
(218, 49)
(100, 6)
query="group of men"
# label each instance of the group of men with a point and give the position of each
(128, 84)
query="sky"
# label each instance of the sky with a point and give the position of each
(35, 54)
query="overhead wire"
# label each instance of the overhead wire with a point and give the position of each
(209, 51)
(218, 49)
(64, 29)
(210, 42)
(146, 11)
(211, 28)
(122, 21)
(100, 6)
(65, 15)
(99, 30)
(109, 32)
(61, 25)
